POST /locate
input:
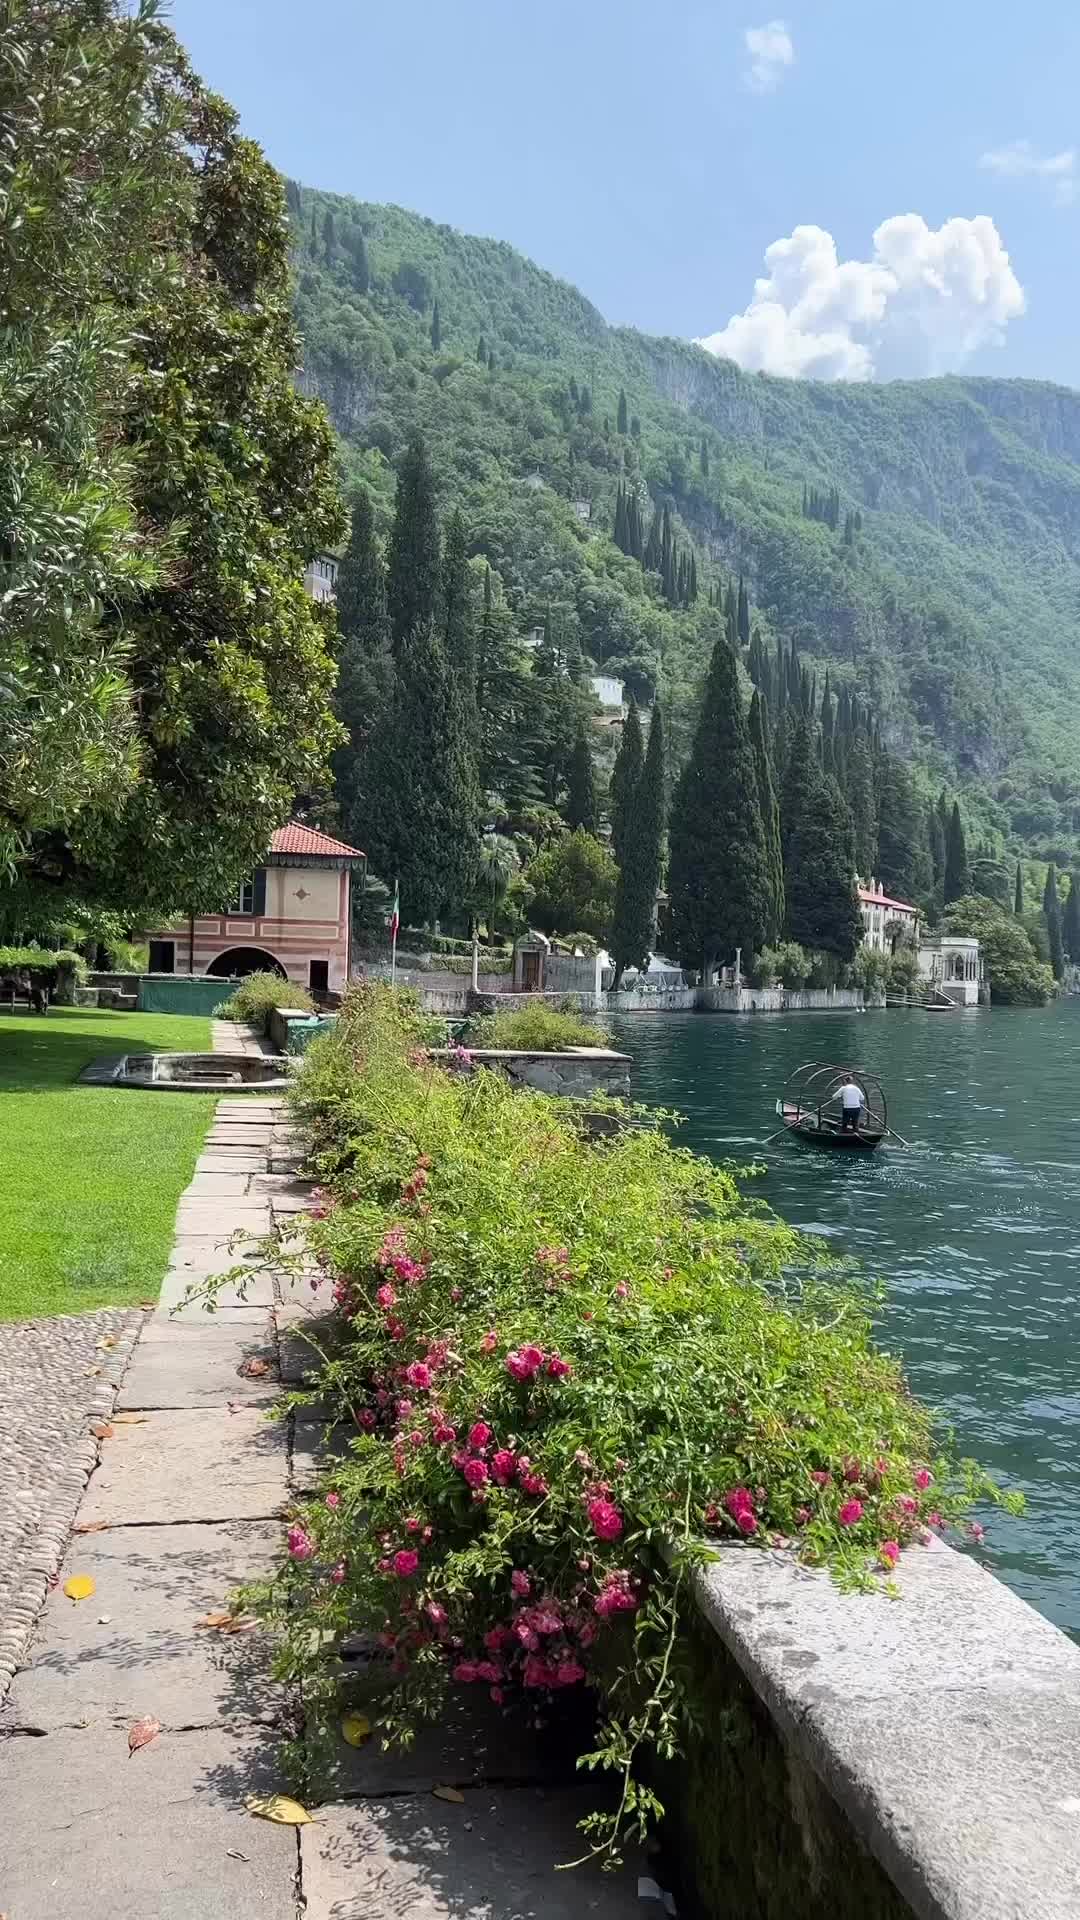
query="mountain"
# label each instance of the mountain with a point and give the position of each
(920, 539)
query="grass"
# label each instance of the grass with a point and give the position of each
(91, 1175)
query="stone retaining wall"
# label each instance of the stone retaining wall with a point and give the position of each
(785, 999)
(577, 1073)
(870, 1758)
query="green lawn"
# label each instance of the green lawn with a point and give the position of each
(89, 1176)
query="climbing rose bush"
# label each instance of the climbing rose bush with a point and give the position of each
(573, 1371)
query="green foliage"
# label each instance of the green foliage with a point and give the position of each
(1017, 976)
(535, 1028)
(904, 860)
(629, 761)
(1070, 923)
(365, 672)
(769, 808)
(148, 400)
(1052, 917)
(719, 882)
(1018, 892)
(412, 589)
(255, 996)
(819, 860)
(786, 964)
(574, 886)
(903, 970)
(582, 809)
(957, 873)
(610, 1360)
(632, 934)
(41, 963)
(872, 968)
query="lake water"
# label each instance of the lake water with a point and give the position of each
(974, 1226)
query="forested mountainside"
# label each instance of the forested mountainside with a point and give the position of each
(919, 539)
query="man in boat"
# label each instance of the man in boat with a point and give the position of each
(852, 1101)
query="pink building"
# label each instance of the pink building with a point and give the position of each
(293, 917)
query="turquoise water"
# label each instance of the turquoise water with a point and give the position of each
(974, 1226)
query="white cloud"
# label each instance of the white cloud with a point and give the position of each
(923, 303)
(1021, 161)
(772, 51)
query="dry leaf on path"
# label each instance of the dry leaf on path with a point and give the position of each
(279, 1808)
(101, 1430)
(129, 1419)
(227, 1622)
(356, 1729)
(231, 1853)
(108, 1341)
(141, 1732)
(80, 1586)
(449, 1793)
(90, 1526)
(253, 1368)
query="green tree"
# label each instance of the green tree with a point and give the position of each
(329, 237)
(458, 629)
(860, 796)
(957, 877)
(935, 839)
(621, 418)
(413, 554)
(423, 800)
(162, 483)
(742, 617)
(769, 807)
(364, 673)
(481, 351)
(1052, 916)
(719, 878)
(1018, 892)
(903, 860)
(633, 928)
(819, 867)
(574, 887)
(361, 264)
(704, 458)
(1070, 922)
(1017, 975)
(436, 329)
(629, 762)
(497, 863)
(581, 804)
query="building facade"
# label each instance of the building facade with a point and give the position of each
(954, 963)
(320, 576)
(293, 917)
(887, 923)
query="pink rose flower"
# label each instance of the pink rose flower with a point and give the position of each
(889, 1553)
(820, 1478)
(850, 1513)
(977, 1532)
(923, 1478)
(436, 1613)
(300, 1544)
(852, 1472)
(496, 1638)
(444, 1434)
(802, 1516)
(490, 1341)
(465, 1671)
(504, 1466)
(333, 1501)
(569, 1673)
(338, 1573)
(604, 1518)
(557, 1367)
(476, 1473)
(418, 1374)
(520, 1584)
(367, 1420)
(498, 1696)
(487, 1670)
(406, 1562)
(524, 1362)
(908, 1504)
(622, 1291)
(934, 1520)
(479, 1435)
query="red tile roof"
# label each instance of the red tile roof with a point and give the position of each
(883, 900)
(302, 840)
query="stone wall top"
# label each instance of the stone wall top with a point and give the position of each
(946, 1723)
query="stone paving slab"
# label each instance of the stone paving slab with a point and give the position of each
(190, 1464)
(89, 1834)
(257, 1323)
(56, 1376)
(134, 1648)
(277, 1184)
(473, 1741)
(196, 1367)
(216, 1216)
(493, 1858)
(315, 1448)
(221, 1186)
(258, 1292)
(223, 1158)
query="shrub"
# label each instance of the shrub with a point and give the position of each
(1017, 976)
(788, 964)
(256, 995)
(129, 956)
(569, 1366)
(41, 962)
(903, 970)
(574, 886)
(871, 968)
(535, 1028)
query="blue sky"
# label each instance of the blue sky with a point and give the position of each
(651, 154)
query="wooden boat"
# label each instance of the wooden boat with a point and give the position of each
(810, 1110)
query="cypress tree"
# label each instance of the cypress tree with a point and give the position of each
(329, 236)
(619, 535)
(481, 351)
(1052, 916)
(1018, 892)
(314, 236)
(621, 418)
(581, 806)
(719, 879)
(859, 789)
(903, 854)
(935, 837)
(731, 606)
(704, 458)
(691, 580)
(459, 638)
(423, 805)
(436, 329)
(1070, 924)
(654, 551)
(364, 671)
(413, 553)
(629, 762)
(819, 866)
(635, 428)
(361, 265)
(292, 195)
(957, 876)
(743, 614)
(769, 807)
(492, 362)
(639, 872)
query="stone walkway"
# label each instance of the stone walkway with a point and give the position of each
(187, 1500)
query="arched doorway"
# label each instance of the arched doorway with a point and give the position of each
(238, 962)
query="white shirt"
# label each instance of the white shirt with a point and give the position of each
(851, 1097)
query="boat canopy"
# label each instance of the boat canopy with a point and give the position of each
(810, 1097)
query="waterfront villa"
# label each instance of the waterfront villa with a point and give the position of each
(887, 923)
(293, 916)
(955, 964)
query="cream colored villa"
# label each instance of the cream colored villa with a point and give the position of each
(292, 917)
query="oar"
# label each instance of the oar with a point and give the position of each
(898, 1136)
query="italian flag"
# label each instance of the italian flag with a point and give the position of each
(395, 914)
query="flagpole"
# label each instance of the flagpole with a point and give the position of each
(394, 932)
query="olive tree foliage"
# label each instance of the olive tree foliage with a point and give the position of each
(164, 680)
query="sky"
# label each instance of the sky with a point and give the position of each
(833, 188)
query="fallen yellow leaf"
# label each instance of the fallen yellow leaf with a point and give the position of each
(141, 1732)
(108, 1341)
(101, 1430)
(91, 1526)
(278, 1807)
(129, 1419)
(356, 1728)
(449, 1793)
(80, 1586)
